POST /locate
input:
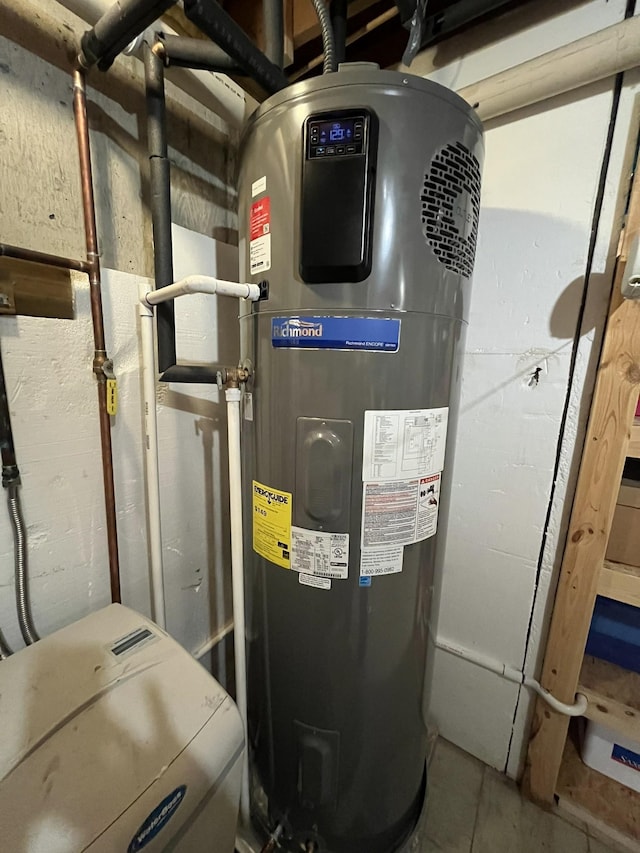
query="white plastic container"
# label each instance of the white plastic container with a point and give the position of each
(115, 739)
(612, 754)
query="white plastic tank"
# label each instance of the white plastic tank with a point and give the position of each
(115, 739)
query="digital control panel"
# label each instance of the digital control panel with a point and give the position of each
(337, 195)
(336, 137)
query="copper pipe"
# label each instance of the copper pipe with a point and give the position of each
(21, 254)
(100, 354)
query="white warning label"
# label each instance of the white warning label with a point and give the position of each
(403, 443)
(400, 512)
(312, 580)
(314, 552)
(381, 561)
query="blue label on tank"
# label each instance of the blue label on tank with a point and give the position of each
(626, 757)
(158, 819)
(365, 581)
(370, 334)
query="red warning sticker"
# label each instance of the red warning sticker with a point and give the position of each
(260, 235)
(260, 221)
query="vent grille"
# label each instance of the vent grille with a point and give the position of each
(451, 207)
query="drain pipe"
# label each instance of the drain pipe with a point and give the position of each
(232, 377)
(102, 365)
(233, 396)
(577, 709)
(151, 457)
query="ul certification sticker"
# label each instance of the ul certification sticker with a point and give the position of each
(272, 524)
(260, 236)
(314, 552)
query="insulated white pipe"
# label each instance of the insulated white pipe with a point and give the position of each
(587, 60)
(216, 91)
(151, 456)
(510, 674)
(233, 396)
(202, 284)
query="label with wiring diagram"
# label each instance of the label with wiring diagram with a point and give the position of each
(260, 236)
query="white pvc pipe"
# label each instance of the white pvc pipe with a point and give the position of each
(216, 91)
(202, 284)
(511, 674)
(233, 396)
(151, 456)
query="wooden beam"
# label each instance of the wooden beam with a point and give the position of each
(620, 582)
(614, 696)
(369, 27)
(607, 441)
(305, 21)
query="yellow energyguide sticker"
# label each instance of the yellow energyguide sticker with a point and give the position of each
(272, 524)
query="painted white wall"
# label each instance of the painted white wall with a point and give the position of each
(540, 182)
(53, 403)
(48, 362)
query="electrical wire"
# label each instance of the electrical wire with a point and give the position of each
(328, 40)
(25, 619)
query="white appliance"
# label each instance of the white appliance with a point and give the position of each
(115, 740)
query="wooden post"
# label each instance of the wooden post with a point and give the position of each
(605, 450)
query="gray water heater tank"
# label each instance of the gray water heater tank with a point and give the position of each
(359, 203)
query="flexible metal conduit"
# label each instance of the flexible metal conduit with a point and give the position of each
(23, 605)
(100, 361)
(328, 42)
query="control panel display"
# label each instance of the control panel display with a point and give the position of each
(337, 137)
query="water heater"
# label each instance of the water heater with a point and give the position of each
(358, 205)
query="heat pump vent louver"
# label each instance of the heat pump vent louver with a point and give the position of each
(451, 207)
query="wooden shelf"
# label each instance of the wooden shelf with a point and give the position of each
(634, 444)
(621, 582)
(584, 788)
(614, 696)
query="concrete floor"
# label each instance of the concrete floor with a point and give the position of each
(473, 809)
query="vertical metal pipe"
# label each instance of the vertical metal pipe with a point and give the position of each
(160, 202)
(339, 21)
(100, 354)
(273, 25)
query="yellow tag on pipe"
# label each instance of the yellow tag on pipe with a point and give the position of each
(112, 396)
